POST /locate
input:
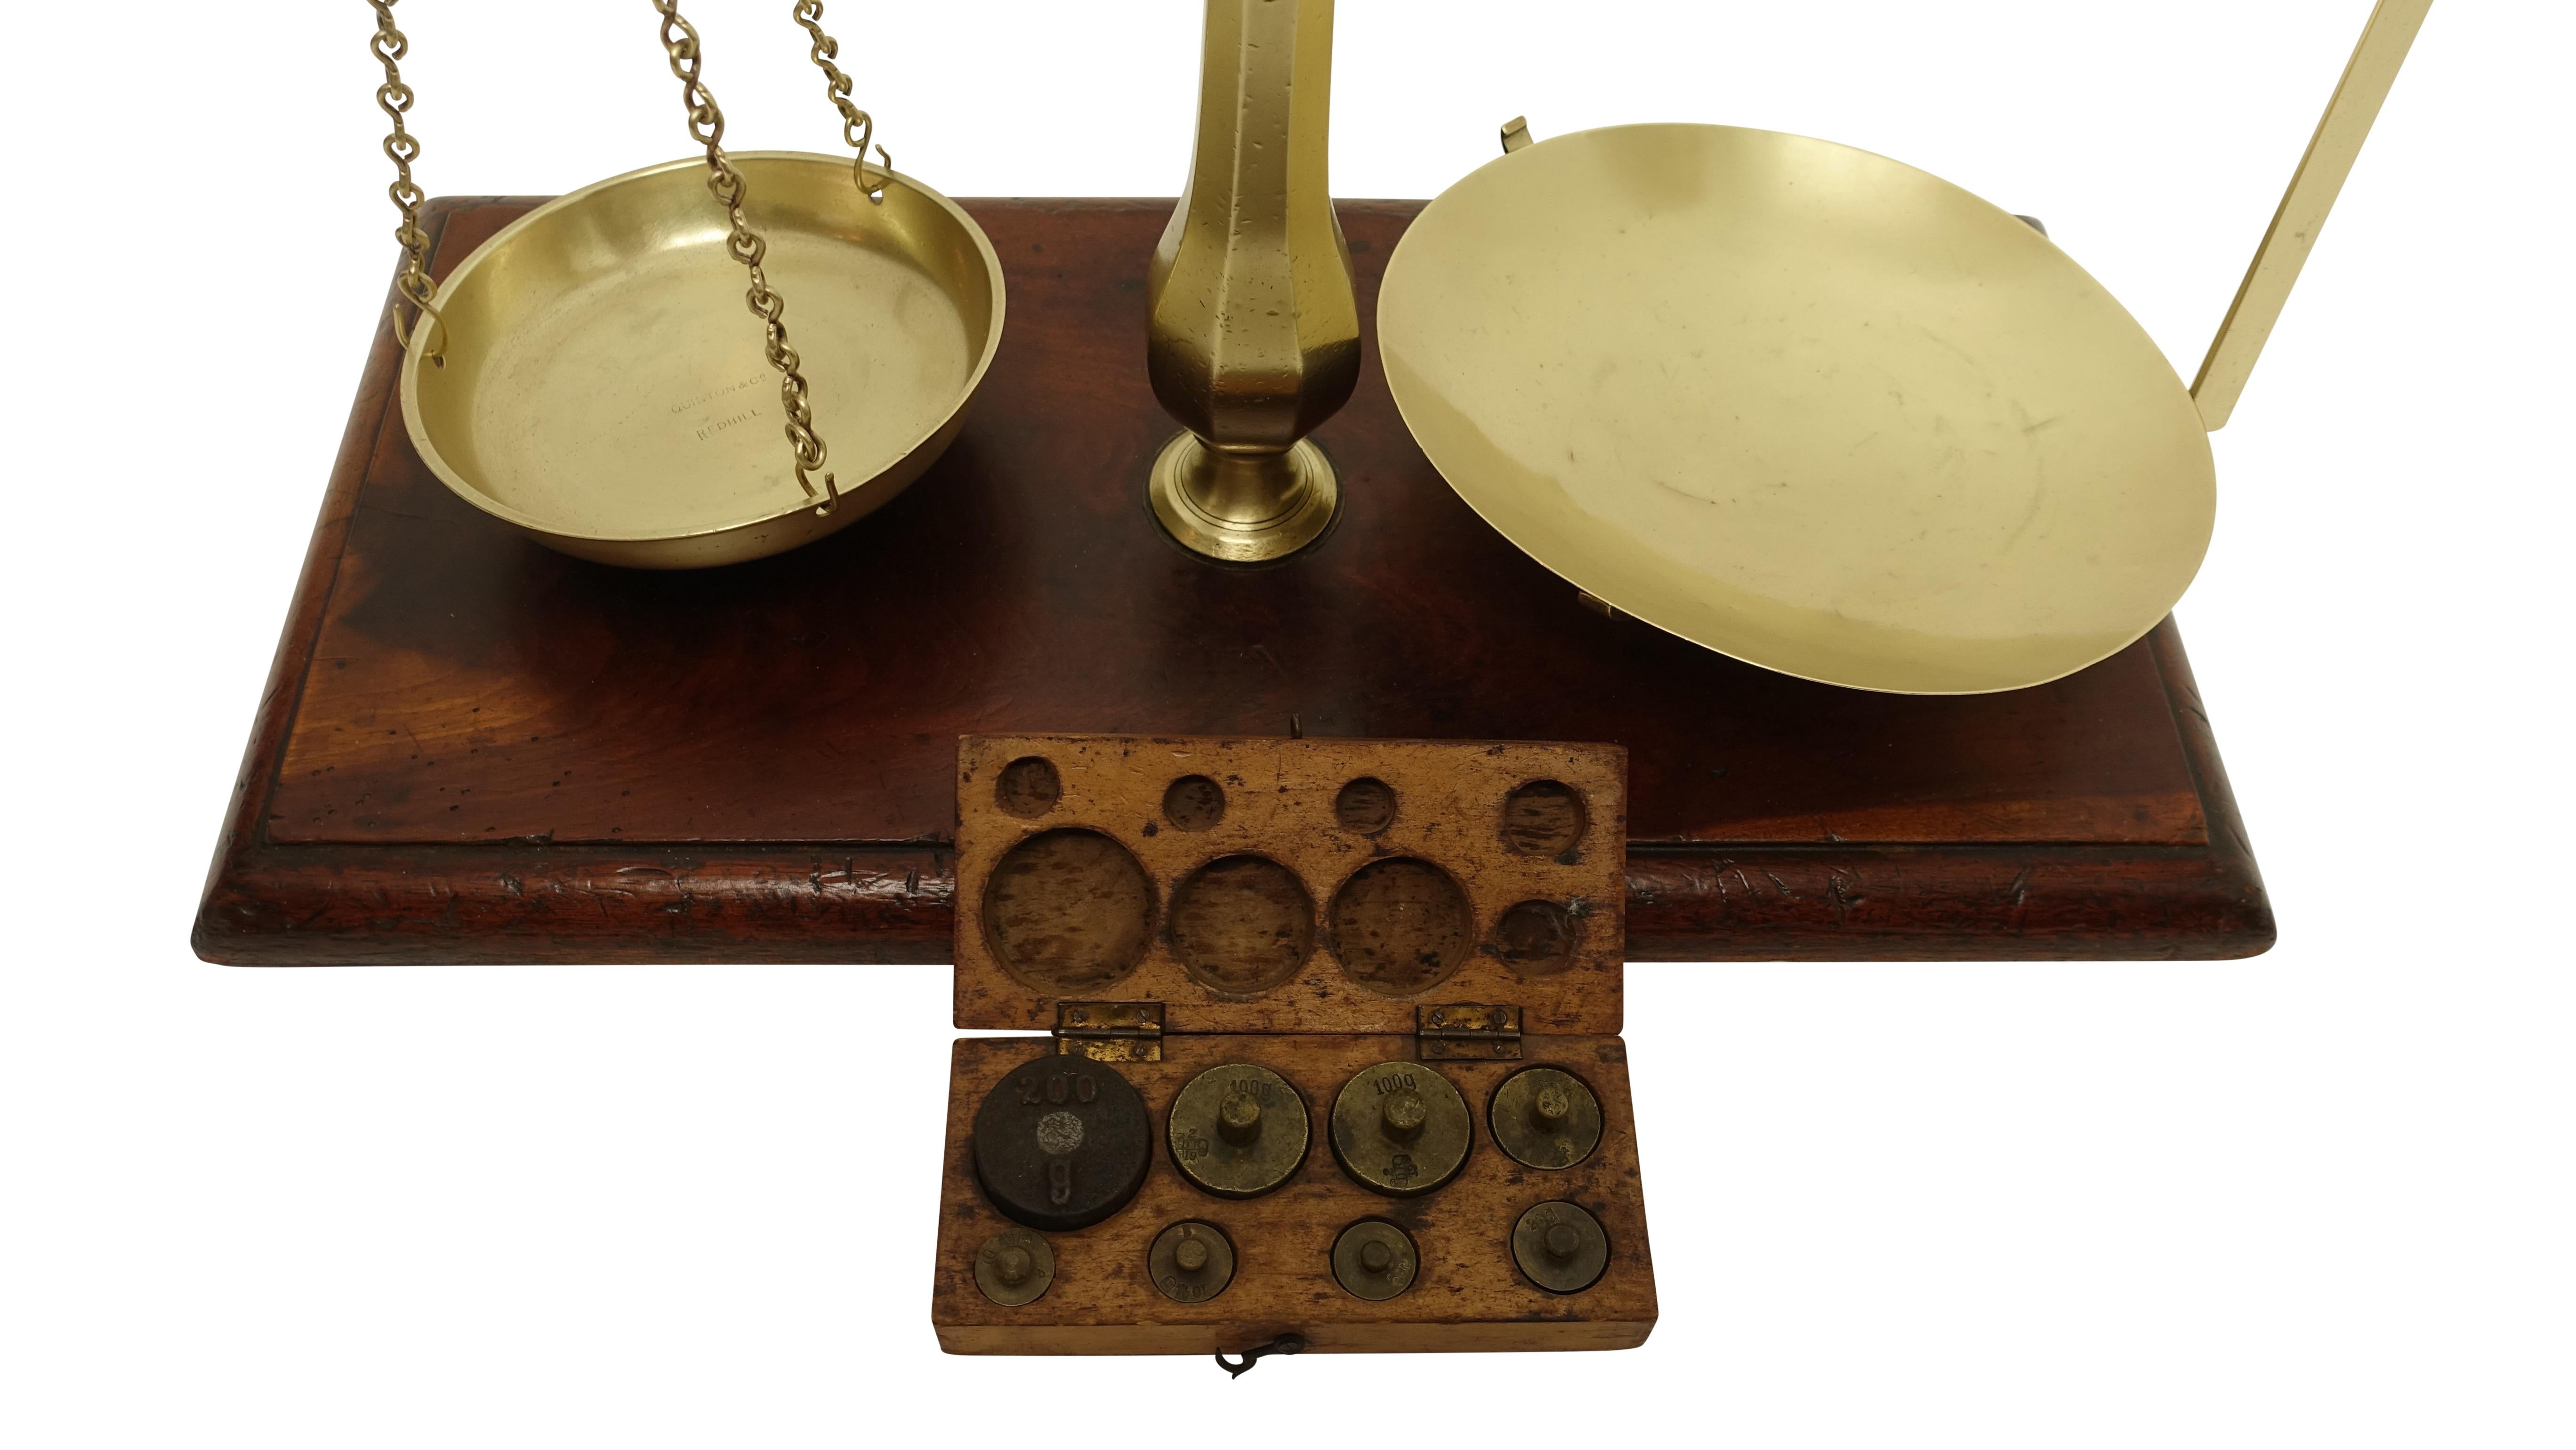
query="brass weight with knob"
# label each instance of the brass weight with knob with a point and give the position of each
(1401, 1129)
(1546, 1118)
(1238, 1131)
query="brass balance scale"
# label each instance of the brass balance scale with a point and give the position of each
(1792, 402)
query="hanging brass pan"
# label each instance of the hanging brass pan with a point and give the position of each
(1819, 410)
(1800, 404)
(598, 384)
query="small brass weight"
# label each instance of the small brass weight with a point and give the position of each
(1401, 1129)
(1254, 330)
(1238, 1131)
(1191, 1262)
(1545, 1117)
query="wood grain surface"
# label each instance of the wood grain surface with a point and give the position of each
(472, 749)
(1451, 812)
(1469, 1295)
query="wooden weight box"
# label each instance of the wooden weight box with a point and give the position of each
(1162, 907)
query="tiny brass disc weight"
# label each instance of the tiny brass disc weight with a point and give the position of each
(1401, 1129)
(1546, 1118)
(1014, 1267)
(1062, 1143)
(1238, 1131)
(1374, 1259)
(1561, 1247)
(1191, 1262)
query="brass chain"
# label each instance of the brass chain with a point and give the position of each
(394, 98)
(857, 126)
(706, 125)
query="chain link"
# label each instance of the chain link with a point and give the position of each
(857, 126)
(706, 126)
(394, 98)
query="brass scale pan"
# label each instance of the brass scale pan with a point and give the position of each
(1818, 410)
(1800, 404)
(601, 389)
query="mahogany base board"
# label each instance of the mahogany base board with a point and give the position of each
(1468, 1295)
(473, 750)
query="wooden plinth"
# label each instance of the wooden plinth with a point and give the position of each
(472, 749)
(1469, 1295)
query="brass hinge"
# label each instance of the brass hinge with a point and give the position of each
(1110, 1031)
(1464, 1029)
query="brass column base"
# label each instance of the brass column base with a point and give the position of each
(1239, 508)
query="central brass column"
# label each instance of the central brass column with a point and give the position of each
(1254, 336)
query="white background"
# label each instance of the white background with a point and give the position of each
(2322, 1197)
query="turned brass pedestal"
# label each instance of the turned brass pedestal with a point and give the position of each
(1254, 335)
(1243, 508)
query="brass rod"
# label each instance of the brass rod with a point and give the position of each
(2313, 188)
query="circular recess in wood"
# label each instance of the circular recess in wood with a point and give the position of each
(1366, 805)
(1400, 926)
(1543, 818)
(1537, 938)
(1028, 787)
(1068, 910)
(1242, 924)
(1194, 803)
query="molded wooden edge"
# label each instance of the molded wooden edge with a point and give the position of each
(2230, 847)
(874, 902)
(445, 905)
(1877, 906)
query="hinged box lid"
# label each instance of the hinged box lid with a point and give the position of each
(1272, 885)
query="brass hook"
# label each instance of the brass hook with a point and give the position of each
(859, 174)
(404, 335)
(831, 491)
(1284, 1344)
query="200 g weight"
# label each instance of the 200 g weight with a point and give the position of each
(1061, 1143)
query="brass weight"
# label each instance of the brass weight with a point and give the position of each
(1401, 1129)
(1374, 1259)
(1561, 1247)
(1238, 1131)
(1191, 1262)
(1014, 1267)
(1546, 1118)
(1062, 1143)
